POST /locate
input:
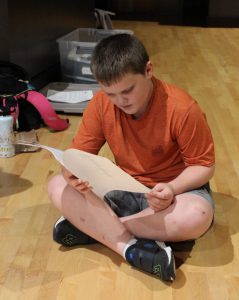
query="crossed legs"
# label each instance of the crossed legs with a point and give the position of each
(187, 218)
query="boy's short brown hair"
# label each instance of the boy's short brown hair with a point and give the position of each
(117, 55)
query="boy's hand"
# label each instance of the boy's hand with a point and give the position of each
(160, 197)
(78, 184)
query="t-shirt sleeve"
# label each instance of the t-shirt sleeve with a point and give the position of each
(90, 136)
(195, 139)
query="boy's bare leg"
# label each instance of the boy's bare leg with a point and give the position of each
(90, 214)
(187, 218)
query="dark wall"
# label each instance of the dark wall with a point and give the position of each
(141, 9)
(29, 30)
(222, 13)
(224, 8)
(3, 29)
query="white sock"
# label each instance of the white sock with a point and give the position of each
(161, 244)
(167, 249)
(130, 243)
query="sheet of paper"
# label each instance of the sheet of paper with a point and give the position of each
(69, 96)
(102, 174)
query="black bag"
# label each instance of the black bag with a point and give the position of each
(13, 79)
(29, 108)
(28, 117)
(13, 82)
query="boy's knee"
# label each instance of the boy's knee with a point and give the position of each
(55, 186)
(199, 221)
(194, 223)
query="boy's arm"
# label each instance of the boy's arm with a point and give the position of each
(90, 136)
(191, 178)
(162, 195)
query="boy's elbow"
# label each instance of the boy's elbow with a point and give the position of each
(211, 171)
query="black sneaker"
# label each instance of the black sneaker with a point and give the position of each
(152, 257)
(68, 235)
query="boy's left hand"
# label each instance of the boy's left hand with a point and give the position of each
(81, 185)
(160, 197)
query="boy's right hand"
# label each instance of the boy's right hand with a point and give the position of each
(78, 184)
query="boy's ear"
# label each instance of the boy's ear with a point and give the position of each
(149, 69)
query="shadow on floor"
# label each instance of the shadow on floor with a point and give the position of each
(215, 248)
(12, 184)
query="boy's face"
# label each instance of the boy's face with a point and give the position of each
(132, 93)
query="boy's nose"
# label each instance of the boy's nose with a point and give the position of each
(122, 100)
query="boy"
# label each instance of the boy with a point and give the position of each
(157, 134)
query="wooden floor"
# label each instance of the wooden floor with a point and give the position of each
(203, 61)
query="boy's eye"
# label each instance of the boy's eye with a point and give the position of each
(111, 95)
(128, 91)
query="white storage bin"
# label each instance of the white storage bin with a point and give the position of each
(76, 50)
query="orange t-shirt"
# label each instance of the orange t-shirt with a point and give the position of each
(172, 134)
